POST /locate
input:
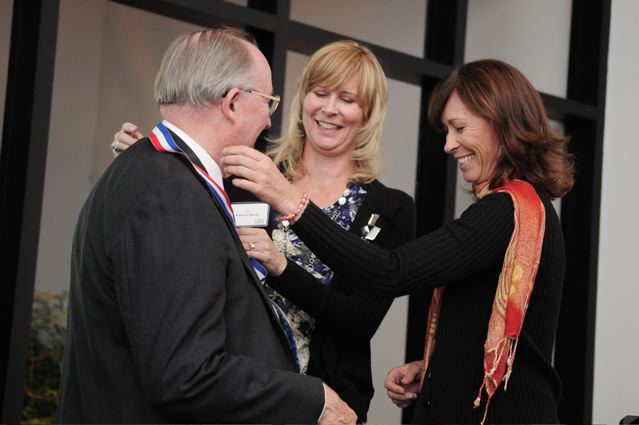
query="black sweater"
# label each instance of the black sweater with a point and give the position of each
(466, 256)
(347, 318)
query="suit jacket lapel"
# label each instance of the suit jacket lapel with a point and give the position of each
(238, 243)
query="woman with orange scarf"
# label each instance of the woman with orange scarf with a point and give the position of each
(498, 270)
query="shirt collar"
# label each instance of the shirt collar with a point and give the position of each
(207, 161)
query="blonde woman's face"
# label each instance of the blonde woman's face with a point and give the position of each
(332, 118)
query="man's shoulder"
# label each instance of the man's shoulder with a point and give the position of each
(142, 162)
(141, 175)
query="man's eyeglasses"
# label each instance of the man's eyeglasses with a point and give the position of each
(273, 101)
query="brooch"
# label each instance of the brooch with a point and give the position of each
(370, 231)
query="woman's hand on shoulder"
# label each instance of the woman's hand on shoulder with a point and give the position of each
(258, 245)
(402, 383)
(125, 137)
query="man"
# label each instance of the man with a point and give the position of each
(168, 321)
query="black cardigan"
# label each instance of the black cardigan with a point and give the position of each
(347, 318)
(466, 256)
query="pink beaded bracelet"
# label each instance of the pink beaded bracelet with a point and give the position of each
(286, 220)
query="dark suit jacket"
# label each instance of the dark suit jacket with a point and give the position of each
(347, 318)
(167, 320)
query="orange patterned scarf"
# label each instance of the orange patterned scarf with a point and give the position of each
(513, 291)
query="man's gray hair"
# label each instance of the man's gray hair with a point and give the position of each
(200, 67)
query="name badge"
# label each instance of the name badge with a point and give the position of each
(251, 214)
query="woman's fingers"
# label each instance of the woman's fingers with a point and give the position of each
(241, 171)
(258, 245)
(256, 173)
(243, 151)
(248, 163)
(125, 137)
(132, 130)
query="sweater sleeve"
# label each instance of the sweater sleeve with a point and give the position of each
(466, 246)
(356, 314)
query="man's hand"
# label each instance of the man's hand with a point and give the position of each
(336, 411)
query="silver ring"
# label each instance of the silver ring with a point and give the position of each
(114, 148)
(251, 246)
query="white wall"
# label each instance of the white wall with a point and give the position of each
(616, 379)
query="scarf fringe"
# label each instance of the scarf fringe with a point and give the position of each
(510, 344)
(511, 360)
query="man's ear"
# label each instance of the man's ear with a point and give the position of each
(230, 105)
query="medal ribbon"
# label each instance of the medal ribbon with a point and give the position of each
(163, 141)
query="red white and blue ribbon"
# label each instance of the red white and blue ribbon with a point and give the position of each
(163, 141)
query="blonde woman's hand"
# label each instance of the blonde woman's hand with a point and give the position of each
(258, 245)
(125, 137)
(255, 172)
(402, 383)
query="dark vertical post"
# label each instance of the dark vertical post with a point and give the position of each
(22, 170)
(436, 173)
(278, 64)
(574, 352)
(274, 46)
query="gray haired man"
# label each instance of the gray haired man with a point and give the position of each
(168, 321)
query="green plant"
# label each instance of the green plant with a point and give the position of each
(48, 323)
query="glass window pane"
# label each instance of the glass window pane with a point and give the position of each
(559, 128)
(534, 36)
(398, 25)
(6, 12)
(238, 2)
(114, 84)
(294, 65)
(401, 136)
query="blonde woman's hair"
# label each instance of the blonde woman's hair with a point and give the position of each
(330, 67)
(200, 67)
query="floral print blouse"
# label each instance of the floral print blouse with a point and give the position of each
(343, 212)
